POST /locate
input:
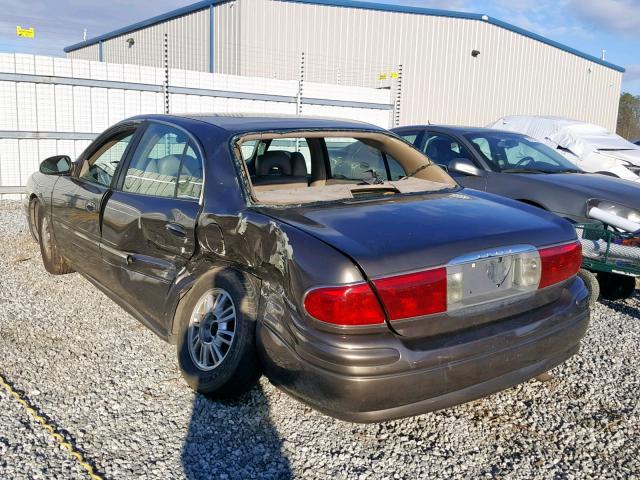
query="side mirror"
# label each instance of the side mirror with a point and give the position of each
(464, 166)
(56, 165)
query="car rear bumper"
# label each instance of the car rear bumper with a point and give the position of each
(388, 377)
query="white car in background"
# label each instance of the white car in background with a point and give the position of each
(590, 147)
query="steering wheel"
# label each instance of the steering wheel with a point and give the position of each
(524, 161)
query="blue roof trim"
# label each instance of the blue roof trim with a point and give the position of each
(178, 12)
(353, 4)
(553, 43)
(388, 7)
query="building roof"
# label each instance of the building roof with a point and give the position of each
(349, 4)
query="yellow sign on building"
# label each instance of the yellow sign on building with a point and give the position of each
(25, 32)
(391, 75)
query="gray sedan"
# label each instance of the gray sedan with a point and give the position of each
(519, 167)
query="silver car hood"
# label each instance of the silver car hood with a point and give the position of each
(631, 156)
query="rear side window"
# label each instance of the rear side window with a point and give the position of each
(165, 164)
(248, 149)
(396, 172)
(354, 160)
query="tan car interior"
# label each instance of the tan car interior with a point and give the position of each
(282, 177)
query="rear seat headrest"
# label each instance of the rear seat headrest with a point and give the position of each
(275, 162)
(298, 165)
(168, 165)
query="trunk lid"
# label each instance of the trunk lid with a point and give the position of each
(407, 233)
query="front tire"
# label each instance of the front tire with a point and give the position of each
(216, 335)
(53, 261)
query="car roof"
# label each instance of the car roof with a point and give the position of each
(241, 123)
(461, 130)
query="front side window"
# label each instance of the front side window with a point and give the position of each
(164, 164)
(482, 145)
(101, 165)
(443, 149)
(512, 152)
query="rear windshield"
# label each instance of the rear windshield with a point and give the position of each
(306, 167)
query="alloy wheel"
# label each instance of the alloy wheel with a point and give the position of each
(212, 328)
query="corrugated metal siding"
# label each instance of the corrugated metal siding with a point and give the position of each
(442, 82)
(188, 44)
(92, 52)
(226, 30)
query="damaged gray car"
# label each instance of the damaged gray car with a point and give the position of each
(330, 255)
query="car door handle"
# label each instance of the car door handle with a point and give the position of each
(176, 229)
(90, 207)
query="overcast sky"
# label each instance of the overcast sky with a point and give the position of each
(587, 25)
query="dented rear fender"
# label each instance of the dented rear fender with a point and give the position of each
(283, 260)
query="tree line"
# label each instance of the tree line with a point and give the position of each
(629, 117)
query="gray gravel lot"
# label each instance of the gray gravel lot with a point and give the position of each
(115, 389)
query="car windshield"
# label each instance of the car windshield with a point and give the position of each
(515, 153)
(315, 166)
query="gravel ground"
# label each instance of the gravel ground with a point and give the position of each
(115, 390)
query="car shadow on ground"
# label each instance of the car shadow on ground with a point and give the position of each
(622, 306)
(233, 439)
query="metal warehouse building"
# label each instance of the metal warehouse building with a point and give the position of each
(443, 67)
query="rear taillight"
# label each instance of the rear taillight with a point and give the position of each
(459, 285)
(347, 305)
(414, 294)
(559, 263)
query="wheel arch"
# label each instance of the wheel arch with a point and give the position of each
(34, 200)
(183, 286)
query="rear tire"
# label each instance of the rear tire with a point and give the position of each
(614, 286)
(53, 261)
(216, 344)
(591, 282)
